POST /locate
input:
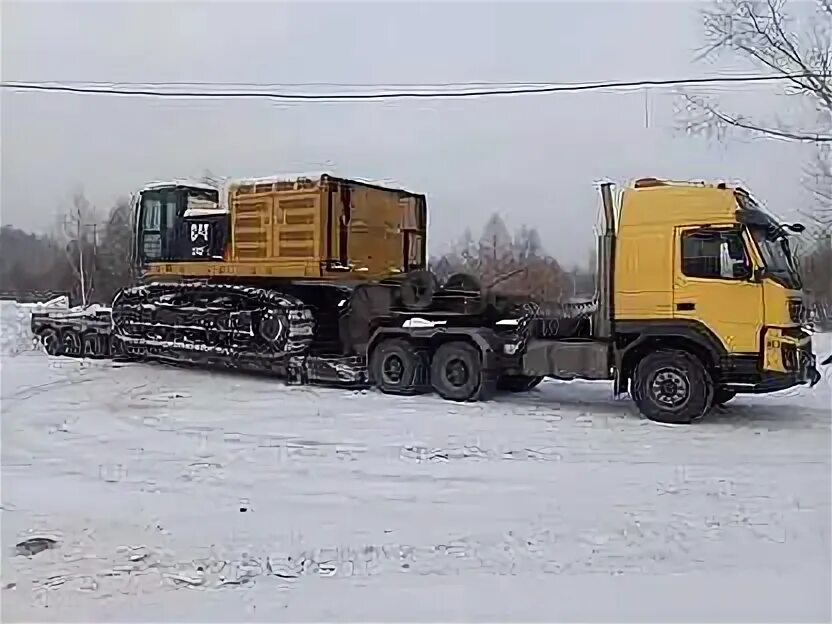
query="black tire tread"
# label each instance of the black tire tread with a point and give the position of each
(699, 379)
(484, 386)
(415, 378)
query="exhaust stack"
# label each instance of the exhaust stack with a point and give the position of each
(605, 271)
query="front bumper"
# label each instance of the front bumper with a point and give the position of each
(800, 362)
(787, 361)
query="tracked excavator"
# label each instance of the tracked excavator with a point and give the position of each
(323, 279)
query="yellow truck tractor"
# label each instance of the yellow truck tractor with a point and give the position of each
(706, 299)
(323, 279)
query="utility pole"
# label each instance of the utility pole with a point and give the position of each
(81, 259)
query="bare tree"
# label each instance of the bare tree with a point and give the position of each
(77, 233)
(514, 265)
(113, 269)
(766, 33)
(799, 51)
(763, 32)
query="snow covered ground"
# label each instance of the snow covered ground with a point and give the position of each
(182, 495)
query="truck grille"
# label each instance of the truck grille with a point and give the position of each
(796, 359)
(789, 354)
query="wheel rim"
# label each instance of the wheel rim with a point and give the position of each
(91, 345)
(72, 344)
(50, 343)
(457, 373)
(670, 389)
(393, 369)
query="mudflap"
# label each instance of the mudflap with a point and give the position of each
(490, 375)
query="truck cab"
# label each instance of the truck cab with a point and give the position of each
(704, 272)
(178, 221)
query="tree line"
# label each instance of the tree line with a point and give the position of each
(85, 255)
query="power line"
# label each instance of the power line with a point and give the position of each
(211, 83)
(282, 95)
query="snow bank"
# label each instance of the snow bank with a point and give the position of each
(15, 323)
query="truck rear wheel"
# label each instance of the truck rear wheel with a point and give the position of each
(398, 367)
(456, 371)
(672, 386)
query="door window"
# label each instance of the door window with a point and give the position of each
(714, 254)
(151, 234)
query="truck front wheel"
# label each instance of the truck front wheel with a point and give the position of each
(672, 386)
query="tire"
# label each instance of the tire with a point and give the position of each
(518, 383)
(51, 342)
(118, 350)
(399, 367)
(456, 372)
(673, 387)
(417, 290)
(723, 395)
(464, 282)
(92, 346)
(71, 344)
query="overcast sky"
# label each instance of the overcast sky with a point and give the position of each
(533, 158)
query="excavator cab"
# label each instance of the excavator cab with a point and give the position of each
(177, 222)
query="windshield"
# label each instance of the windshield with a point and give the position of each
(777, 256)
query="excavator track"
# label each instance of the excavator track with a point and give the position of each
(221, 324)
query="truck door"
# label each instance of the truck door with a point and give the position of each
(713, 286)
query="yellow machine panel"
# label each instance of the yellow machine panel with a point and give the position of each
(275, 225)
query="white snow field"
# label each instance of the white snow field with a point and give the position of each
(184, 495)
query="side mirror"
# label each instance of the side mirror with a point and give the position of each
(758, 275)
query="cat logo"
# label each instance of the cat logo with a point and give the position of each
(199, 230)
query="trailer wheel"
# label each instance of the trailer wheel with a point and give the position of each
(672, 386)
(456, 371)
(51, 342)
(71, 343)
(93, 344)
(518, 383)
(398, 367)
